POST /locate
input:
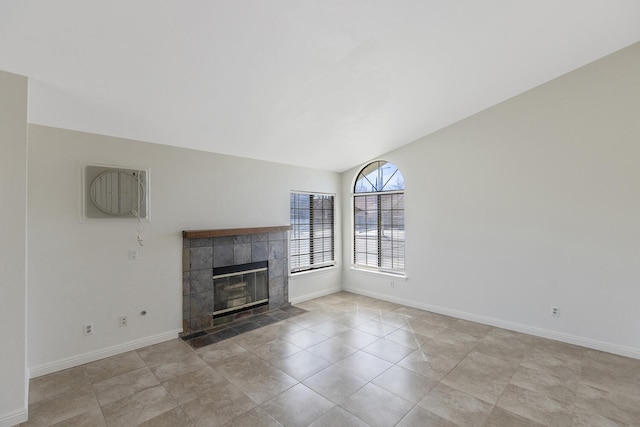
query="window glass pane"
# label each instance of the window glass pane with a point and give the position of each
(312, 231)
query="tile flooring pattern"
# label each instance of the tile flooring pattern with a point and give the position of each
(350, 361)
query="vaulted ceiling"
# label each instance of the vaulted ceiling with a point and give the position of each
(327, 84)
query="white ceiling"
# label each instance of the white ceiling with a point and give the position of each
(327, 84)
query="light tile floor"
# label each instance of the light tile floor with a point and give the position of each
(350, 361)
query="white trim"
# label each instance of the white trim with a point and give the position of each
(322, 293)
(14, 418)
(531, 330)
(399, 276)
(92, 356)
(311, 272)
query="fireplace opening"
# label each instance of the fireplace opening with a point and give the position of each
(240, 287)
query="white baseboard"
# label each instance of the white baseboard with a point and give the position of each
(322, 293)
(92, 356)
(13, 418)
(531, 330)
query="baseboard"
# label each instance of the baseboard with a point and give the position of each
(81, 359)
(512, 326)
(13, 418)
(322, 293)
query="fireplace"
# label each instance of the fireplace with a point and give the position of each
(240, 287)
(250, 266)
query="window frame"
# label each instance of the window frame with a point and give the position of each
(379, 266)
(313, 264)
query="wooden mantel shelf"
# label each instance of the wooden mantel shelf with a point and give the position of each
(203, 234)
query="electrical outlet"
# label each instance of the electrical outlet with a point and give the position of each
(88, 328)
(133, 254)
(555, 311)
(123, 321)
(393, 284)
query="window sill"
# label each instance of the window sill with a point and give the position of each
(312, 272)
(399, 276)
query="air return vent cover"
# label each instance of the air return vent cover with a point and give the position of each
(114, 192)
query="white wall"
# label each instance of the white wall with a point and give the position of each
(530, 204)
(79, 271)
(13, 240)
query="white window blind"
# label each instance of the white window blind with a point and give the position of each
(312, 231)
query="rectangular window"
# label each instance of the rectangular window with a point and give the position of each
(379, 231)
(312, 231)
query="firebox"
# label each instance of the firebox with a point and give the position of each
(240, 287)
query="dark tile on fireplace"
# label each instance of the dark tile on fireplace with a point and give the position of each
(197, 243)
(246, 327)
(213, 338)
(236, 327)
(199, 323)
(264, 319)
(281, 315)
(222, 256)
(201, 281)
(201, 258)
(241, 238)
(223, 241)
(277, 235)
(276, 270)
(201, 303)
(260, 237)
(276, 249)
(242, 253)
(259, 251)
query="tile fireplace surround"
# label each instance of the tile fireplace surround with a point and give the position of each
(204, 250)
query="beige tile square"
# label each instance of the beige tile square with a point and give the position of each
(255, 417)
(405, 383)
(456, 406)
(364, 365)
(334, 383)
(388, 350)
(139, 407)
(189, 386)
(554, 387)
(113, 366)
(535, 406)
(302, 365)
(338, 417)
(620, 407)
(92, 418)
(219, 352)
(50, 385)
(376, 327)
(304, 338)
(218, 407)
(433, 360)
(420, 417)
(332, 350)
(62, 406)
(298, 406)
(356, 338)
(124, 385)
(377, 406)
(275, 350)
(330, 328)
(502, 418)
(173, 418)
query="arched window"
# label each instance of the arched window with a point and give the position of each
(378, 218)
